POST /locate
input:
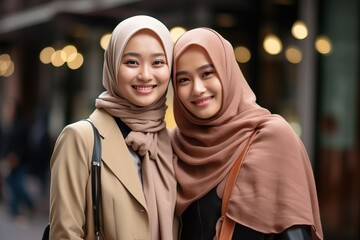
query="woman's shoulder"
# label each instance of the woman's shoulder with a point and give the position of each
(278, 122)
(73, 142)
(82, 127)
(277, 136)
(74, 135)
(78, 128)
(278, 129)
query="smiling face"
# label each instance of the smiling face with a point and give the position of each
(197, 83)
(143, 71)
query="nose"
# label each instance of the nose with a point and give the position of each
(145, 73)
(198, 87)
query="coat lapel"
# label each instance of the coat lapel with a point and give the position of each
(116, 156)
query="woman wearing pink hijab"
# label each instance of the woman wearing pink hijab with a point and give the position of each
(274, 196)
(137, 177)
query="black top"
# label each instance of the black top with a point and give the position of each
(199, 221)
(125, 130)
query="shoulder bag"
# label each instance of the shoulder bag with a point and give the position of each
(228, 225)
(95, 184)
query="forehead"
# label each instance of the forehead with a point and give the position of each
(144, 34)
(192, 55)
(144, 39)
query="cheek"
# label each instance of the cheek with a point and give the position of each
(163, 75)
(182, 93)
(217, 87)
(126, 74)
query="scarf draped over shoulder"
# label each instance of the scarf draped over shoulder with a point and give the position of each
(275, 188)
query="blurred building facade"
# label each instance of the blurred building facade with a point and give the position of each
(317, 92)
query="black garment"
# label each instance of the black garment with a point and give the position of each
(125, 130)
(199, 220)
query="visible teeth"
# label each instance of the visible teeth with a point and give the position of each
(143, 88)
(203, 101)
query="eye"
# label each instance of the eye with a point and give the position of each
(207, 74)
(159, 63)
(131, 62)
(182, 81)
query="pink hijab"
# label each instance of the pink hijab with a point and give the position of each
(275, 188)
(149, 134)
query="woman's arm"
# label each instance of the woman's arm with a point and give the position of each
(69, 180)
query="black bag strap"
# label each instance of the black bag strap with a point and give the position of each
(96, 179)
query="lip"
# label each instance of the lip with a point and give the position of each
(144, 89)
(201, 102)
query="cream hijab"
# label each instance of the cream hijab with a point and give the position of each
(149, 135)
(275, 188)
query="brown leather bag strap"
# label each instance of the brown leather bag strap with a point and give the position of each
(228, 225)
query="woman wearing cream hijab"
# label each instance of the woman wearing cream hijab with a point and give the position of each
(137, 176)
(274, 196)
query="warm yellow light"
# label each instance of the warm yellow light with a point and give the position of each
(242, 54)
(323, 45)
(299, 30)
(10, 69)
(45, 55)
(5, 57)
(104, 41)
(293, 54)
(176, 32)
(58, 58)
(169, 115)
(272, 44)
(4, 65)
(76, 62)
(70, 52)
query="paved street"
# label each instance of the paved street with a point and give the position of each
(27, 226)
(21, 227)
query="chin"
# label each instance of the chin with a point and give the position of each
(145, 102)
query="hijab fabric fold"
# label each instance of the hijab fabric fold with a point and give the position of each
(275, 188)
(149, 134)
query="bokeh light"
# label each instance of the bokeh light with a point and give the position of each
(176, 32)
(242, 54)
(7, 66)
(272, 44)
(76, 62)
(293, 54)
(323, 45)
(104, 41)
(299, 30)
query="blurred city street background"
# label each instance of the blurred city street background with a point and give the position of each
(27, 225)
(301, 58)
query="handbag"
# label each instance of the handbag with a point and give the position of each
(228, 225)
(95, 184)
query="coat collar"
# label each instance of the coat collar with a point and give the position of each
(115, 154)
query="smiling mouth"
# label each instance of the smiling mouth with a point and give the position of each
(202, 102)
(144, 89)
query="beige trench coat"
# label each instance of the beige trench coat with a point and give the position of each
(124, 214)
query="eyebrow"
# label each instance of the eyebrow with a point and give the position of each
(198, 69)
(137, 54)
